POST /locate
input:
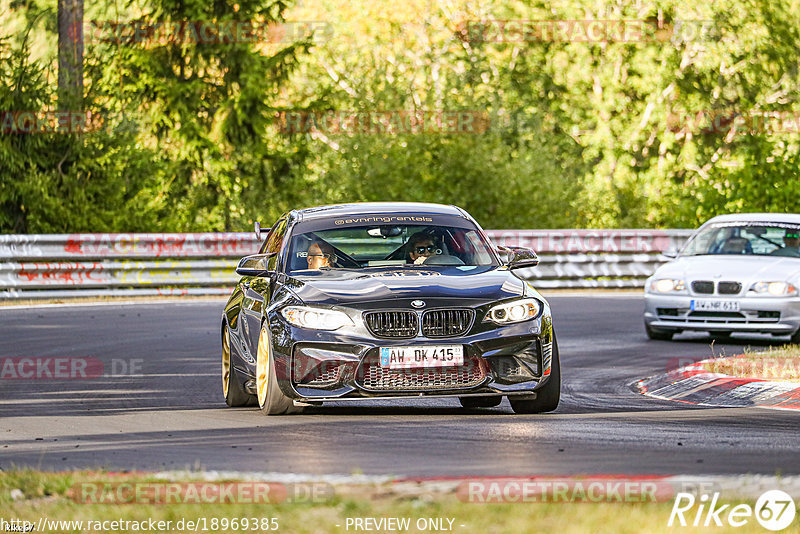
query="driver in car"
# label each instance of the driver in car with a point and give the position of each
(791, 245)
(319, 255)
(422, 246)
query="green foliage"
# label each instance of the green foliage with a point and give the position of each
(58, 182)
(183, 138)
(581, 134)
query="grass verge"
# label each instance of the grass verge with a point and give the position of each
(32, 495)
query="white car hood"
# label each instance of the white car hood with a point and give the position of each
(732, 268)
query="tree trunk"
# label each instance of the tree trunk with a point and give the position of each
(70, 54)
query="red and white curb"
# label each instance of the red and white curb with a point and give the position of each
(695, 384)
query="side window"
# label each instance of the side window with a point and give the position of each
(276, 237)
(263, 245)
(273, 241)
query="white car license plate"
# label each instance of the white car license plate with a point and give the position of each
(422, 356)
(715, 305)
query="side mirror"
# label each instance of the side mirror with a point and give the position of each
(670, 253)
(519, 257)
(260, 231)
(255, 265)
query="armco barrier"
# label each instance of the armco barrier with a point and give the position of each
(54, 266)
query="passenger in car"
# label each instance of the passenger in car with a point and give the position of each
(735, 245)
(421, 246)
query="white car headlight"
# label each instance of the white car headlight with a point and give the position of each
(667, 285)
(316, 318)
(514, 312)
(774, 289)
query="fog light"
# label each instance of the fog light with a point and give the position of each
(509, 370)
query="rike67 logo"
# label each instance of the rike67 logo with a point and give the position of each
(774, 510)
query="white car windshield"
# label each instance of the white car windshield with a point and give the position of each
(746, 239)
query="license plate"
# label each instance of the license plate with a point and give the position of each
(422, 356)
(715, 305)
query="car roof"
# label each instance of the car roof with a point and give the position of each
(756, 217)
(376, 208)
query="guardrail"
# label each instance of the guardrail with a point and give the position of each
(69, 265)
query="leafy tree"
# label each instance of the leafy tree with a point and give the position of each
(604, 133)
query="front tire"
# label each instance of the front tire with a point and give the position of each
(232, 389)
(480, 402)
(271, 399)
(548, 397)
(659, 335)
(795, 337)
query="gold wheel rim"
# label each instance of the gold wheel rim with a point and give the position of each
(226, 361)
(262, 367)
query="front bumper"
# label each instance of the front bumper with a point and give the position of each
(510, 360)
(771, 315)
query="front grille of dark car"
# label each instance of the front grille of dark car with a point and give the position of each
(447, 323)
(394, 324)
(372, 377)
(729, 288)
(703, 286)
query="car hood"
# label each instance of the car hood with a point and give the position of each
(478, 285)
(733, 268)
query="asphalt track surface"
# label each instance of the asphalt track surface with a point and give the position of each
(170, 413)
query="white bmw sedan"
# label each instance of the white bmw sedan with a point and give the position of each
(737, 273)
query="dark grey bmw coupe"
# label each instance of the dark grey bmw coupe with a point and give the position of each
(386, 300)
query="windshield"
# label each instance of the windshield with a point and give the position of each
(751, 239)
(360, 247)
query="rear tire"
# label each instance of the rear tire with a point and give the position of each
(271, 399)
(480, 402)
(232, 389)
(659, 335)
(548, 397)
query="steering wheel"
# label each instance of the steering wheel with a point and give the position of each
(345, 261)
(443, 259)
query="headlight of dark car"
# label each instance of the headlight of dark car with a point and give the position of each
(515, 311)
(315, 318)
